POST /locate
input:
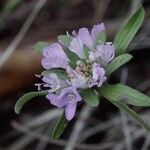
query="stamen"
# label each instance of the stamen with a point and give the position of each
(38, 85)
(38, 75)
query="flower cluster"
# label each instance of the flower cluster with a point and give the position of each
(89, 71)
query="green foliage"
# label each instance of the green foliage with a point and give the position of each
(61, 74)
(73, 58)
(60, 127)
(117, 63)
(65, 40)
(101, 38)
(25, 98)
(90, 97)
(122, 93)
(123, 107)
(129, 30)
(86, 52)
(40, 45)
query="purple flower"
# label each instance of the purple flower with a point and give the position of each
(51, 82)
(76, 46)
(88, 72)
(103, 54)
(54, 57)
(87, 38)
(68, 99)
(98, 75)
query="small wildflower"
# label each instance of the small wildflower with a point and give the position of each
(68, 99)
(89, 72)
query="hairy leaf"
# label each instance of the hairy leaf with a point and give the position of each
(25, 98)
(40, 45)
(129, 30)
(72, 57)
(101, 38)
(60, 127)
(65, 39)
(122, 93)
(61, 74)
(118, 62)
(90, 97)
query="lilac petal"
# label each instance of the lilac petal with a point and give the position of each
(98, 75)
(70, 110)
(85, 37)
(76, 46)
(56, 101)
(70, 95)
(50, 79)
(92, 56)
(110, 49)
(52, 82)
(96, 30)
(54, 57)
(79, 81)
(97, 71)
(106, 53)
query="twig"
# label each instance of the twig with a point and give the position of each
(136, 134)
(100, 127)
(42, 118)
(42, 144)
(146, 143)
(80, 123)
(39, 136)
(10, 49)
(126, 130)
(21, 143)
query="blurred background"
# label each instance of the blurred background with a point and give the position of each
(25, 22)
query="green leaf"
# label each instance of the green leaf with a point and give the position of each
(61, 74)
(60, 127)
(129, 30)
(101, 38)
(118, 62)
(25, 98)
(40, 45)
(86, 52)
(72, 57)
(65, 39)
(123, 107)
(122, 93)
(90, 97)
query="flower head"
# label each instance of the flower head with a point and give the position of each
(88, 72)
